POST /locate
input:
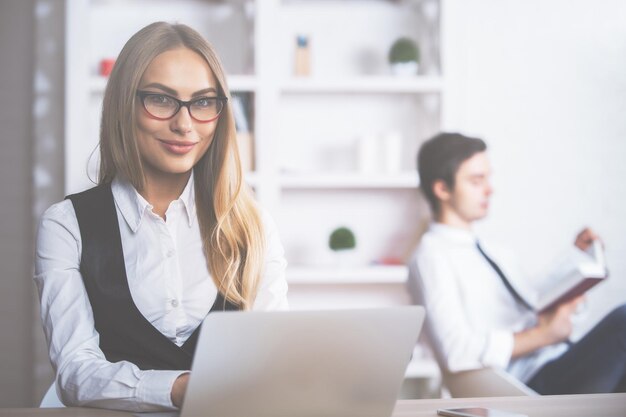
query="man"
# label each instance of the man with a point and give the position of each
(479, 311)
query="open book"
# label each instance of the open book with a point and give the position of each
(576, 281)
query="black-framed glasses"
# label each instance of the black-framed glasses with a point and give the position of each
(163, 107)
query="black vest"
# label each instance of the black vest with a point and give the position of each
(125, 334)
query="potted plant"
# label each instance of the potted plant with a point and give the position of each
(404, 57)
(342, 242)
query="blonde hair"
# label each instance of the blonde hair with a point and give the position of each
(230, 224)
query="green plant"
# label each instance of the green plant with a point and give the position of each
(342, 238)
(404, 50)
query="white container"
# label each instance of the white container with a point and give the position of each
(404, 69)
(367, 154)
(392, 152)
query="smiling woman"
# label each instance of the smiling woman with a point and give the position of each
(170, 139)
(128, 270)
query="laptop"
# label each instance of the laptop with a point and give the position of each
(339, 363)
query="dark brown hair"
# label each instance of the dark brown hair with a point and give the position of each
(440, 157)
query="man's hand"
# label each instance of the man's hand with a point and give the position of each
(178, 390)
(552, 327)
(556, 325)
(585, 239)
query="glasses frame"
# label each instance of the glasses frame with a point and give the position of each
(143, 94)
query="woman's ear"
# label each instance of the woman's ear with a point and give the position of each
(441, 190)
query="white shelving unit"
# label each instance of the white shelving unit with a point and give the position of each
(379, 274)
(307, 131)
(317, 176)
(407, 180)
(365, 85)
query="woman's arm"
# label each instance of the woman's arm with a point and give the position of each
(84, 376)
(179, 389)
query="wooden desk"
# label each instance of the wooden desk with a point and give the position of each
(597, 405)
(61, 412)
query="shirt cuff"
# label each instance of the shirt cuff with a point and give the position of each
(155, 388)
(499, 349)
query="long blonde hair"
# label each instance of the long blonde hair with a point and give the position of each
(230, 223)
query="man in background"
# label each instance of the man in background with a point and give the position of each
(480, 310)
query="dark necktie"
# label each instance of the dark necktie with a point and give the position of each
(505, 281)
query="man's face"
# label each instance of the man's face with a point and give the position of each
(469, 199)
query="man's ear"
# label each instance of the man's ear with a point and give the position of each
(441, 190)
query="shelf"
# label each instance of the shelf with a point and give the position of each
(378, 274)
(342, 181)
(236, 83)
(365, 84)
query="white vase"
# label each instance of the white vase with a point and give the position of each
(346, 258)
(404, 69)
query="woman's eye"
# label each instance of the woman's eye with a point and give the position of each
(204, 102)
(159, 100)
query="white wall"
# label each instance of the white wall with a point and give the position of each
(544, 83)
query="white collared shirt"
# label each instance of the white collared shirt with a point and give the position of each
(471, 316)
(169, 282)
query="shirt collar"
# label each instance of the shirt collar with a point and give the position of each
(454, 234)
(133, 206)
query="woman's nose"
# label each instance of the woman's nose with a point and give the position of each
(182, 121)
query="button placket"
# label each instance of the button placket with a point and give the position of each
(174, 276)
(167, 251)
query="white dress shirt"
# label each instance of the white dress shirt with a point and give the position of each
(471, 315)
(169, 282)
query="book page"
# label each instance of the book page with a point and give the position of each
(574, 280)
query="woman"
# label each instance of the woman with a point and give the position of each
(128, 270)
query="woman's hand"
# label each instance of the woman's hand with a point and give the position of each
(178, 390)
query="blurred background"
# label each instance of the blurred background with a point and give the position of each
(329, 126)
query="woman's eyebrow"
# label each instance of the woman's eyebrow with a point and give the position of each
(204, 91)
(174, 93)
(160, 86)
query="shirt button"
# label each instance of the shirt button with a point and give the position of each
(170, 253)
(174, 303)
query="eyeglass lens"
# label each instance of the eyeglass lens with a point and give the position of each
(164, 107)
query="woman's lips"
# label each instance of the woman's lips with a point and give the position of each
(177, 147)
